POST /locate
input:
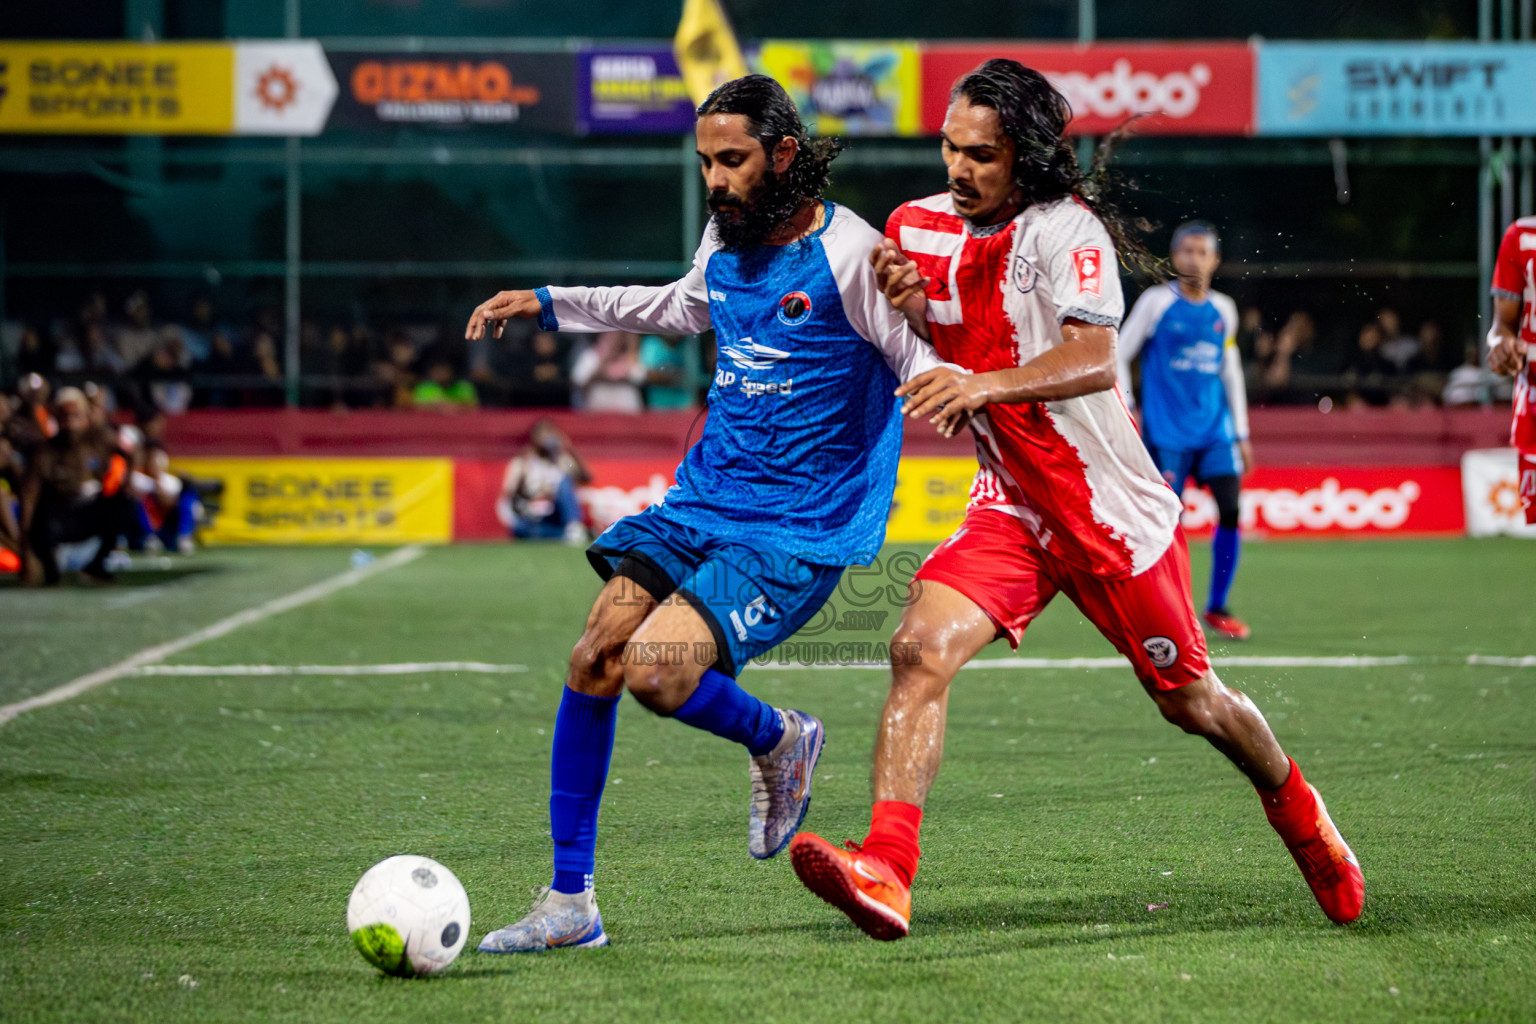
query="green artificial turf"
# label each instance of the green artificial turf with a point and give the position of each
(182, 848)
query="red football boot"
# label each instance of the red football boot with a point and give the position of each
(1228, 625)
(1325, 859)
(861, 885)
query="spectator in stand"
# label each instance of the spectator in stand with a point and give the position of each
(34, 354)
(1291, 344)
(442, 388)
(538, 493)
(138, 337)
(265, 365)
(31, 422)
(540, 372)
(197, 334)
(1367, 372)
(10, 486)
(607, 375)
(1471, 383)
(166, 507)
(1399, 350)
(396, 372)
(164, 378)
(666, 370)
(74, 490)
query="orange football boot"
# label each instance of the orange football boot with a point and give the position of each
(861, 885)
(1227, 624)
(1330, 868)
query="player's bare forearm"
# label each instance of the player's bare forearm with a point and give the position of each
(1082, 364)
(1504, 355)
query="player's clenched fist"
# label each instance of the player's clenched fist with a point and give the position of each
(498, 309)
(898, 279)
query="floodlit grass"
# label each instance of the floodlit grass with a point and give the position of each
(182, 848)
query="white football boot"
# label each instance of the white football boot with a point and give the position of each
(781, 784)
(558, 921)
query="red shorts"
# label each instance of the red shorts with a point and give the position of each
(1150, 618)
(1526, 468)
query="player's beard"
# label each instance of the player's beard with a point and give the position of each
(742, 223)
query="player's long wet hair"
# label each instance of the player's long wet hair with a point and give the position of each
(771, 118)
(1045, 167)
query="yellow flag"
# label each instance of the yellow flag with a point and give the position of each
(707, 54)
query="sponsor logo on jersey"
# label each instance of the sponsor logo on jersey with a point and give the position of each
(716, 295)
(1088, 263)
(794, 309)
(1023, 274)
(752, 355)
(1163, 651)
(755, 612)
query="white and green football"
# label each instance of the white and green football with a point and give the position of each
(408, 916)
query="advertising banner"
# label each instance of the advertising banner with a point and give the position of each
(1490, 483)
(327, 501)
(631, 91)
(932, 493)
(848, 88)
(1340, 501)
(619, 488)
(250, 88)
(1184, 88)
(525, 92)
(1407, 88)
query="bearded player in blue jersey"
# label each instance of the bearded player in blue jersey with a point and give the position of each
(1194, 406)
(790, 482)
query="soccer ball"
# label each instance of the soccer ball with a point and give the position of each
(408, 916)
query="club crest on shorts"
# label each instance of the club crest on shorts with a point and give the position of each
(1023, 274)
(1163, 651)
(794, 309)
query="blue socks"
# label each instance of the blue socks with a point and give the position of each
(725, 709)
(578, 768)
(583, 748)
(1224, 550)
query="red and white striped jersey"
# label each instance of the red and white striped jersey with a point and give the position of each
(1074, 471)
(1514, 278)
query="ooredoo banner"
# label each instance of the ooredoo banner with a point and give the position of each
(1184, 89)
(1340, 500)
(526, 92)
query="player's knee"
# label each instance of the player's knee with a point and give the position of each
(919, 657)
(653, 685)
(590, 669)
(1192, 711)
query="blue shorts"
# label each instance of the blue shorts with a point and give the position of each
(1204, 464)
(753, 597)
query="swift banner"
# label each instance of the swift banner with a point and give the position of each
(327, 501)
(848, 88)
(528, 92)
(247, 88)
(1349, 88)
(1185, 89)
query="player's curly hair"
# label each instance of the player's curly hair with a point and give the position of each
(1045, 167)
(772, 117)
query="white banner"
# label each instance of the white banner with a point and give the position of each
(1490, 486)
(282, 88)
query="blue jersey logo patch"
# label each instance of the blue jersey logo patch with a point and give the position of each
(794, 309)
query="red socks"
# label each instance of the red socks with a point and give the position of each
(1291, 809)
(892, 836)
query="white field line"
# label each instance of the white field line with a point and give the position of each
(1237, 661)
(402, 668)
(159, 652)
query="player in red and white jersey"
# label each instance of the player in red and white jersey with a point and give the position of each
(1013, 275)
(1510, 343)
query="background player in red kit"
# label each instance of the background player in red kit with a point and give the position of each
(1510, 340)
(1013, 275)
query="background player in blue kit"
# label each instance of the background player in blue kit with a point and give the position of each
(790, 482)
(1194, 407)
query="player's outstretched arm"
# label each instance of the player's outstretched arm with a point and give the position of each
(1082, 364)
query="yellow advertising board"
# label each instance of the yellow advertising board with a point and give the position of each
(931, 495)
(848, 87)
(117, 88)
(327, 501)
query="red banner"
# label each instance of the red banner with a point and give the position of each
(620, 487)
(1194, 89)
(1341, 501)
